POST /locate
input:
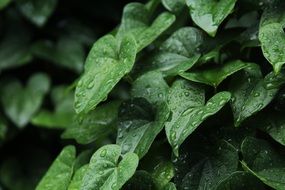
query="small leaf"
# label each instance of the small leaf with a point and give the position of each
(178, 53)
(21, 104)
(240, 180)
(105, 172)
(272, 36)
(94, 125)
(108, 61)
(59, 174)
(209, 14)
(137, 130)
(251, 93)
(36, 11)
(215, 75)
(162, 174)
(264, 162)
(135, 21)
(76, 181)
(187, 103)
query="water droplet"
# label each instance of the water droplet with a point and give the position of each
(103, 152)
(186, 93)
(90, 84)
(256, 94)
(173, 135)
(160, 95)
(222, 102)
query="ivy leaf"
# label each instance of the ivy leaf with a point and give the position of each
(108, 61)
(174, 6)
(271, 35)
(67, 52)
(136, 22)
(162, 174)
(36, 11)
(176, 54)
(94, 125)
(106, 172)
(209, 14)
(137, 130)
(215, 75)
(251, 93)
(187, 104)
(59, 174)
(19, 103)
(241, 180)
(76, 181)
(63, 115)
(264, 162)
(210, 165)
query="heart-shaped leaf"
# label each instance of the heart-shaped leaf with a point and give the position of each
(177, 54)
(264, 162)
(251, 93)
(19, 103)
(59, 174)
(36, 11)
(106, 172)
(272, 36)
(94, 125)
(241, 180)
(215, 75)
(136, 21)
(209, 14)
(187, 104)
(108, 61)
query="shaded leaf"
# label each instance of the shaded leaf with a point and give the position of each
(162, 174)
(106, 172)
(108, 61)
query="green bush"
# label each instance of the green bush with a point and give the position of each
(177, 94)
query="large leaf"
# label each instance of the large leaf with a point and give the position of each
(108, 61)
(241, 180)
(209, 14)
(37, 11)
(272, 36)
(67, 52)
(187, 104)
(106, 172)
(77, 178)
(20, 104)
(63, 114)
(59, 174)
(94, 125)
(136, 22)
(137, 129)
(215, 75)
(209, 165)
(251, 93)
(264, 162)
(177, 54)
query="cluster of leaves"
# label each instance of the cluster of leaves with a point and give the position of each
(182, 94)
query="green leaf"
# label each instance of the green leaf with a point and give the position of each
(240, 180)
(76, 181)
(151, 86)
(137, 129)
(67, 52)
(136, 22)
(63, 114)
(264, 162)
(209, 14)
(59, 174)
(4, 3)
(176, 54)
(251, 93)
(19, 103)
(170, 186)
(106, 172)
(187, 104)
(162, 174)
(108, 61)
(94, 125)
(215, 75)
(210, 165)
(141, 180)
(37, 11)
(174, 6)
(271, 34)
